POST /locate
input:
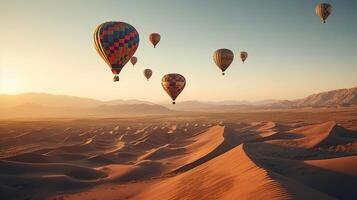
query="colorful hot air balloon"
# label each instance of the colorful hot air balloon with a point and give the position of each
(147, 73)
(154, 38)
(173, 84)
(133, 60)
(243, 55)
(323, 10)
(223, 58)
(116, 43)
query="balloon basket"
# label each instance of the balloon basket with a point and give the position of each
(116, 78)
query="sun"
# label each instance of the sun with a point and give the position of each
(9, 85)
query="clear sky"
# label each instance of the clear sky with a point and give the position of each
(47, 46)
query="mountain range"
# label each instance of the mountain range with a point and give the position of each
(44, 105)
(51, 100)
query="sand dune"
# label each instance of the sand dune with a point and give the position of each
(345, 165)
(318, 178)
(217, 180)
(202, 145)
(243, 156)
(76, 172)
(241, 179)
(140, 171)
(314, 136)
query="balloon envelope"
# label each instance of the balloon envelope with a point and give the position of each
(173, 84)
(133, 60)
(147, 73)
(243, 55)
(154, 38)
(323, 10)
(223, 58)
(116, 43)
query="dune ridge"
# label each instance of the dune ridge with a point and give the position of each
(181, 158)
(212, 181)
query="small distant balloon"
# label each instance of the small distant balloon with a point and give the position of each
(116, 43)
(147, 73)
(223, 58)
(243, 56)
(154, 38)
(173, 84)
(133, 60)
(323, 10)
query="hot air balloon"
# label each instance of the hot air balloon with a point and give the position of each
(133, 60)
(116, 43)
(223, 58)
(154, 38)
(243, 55)
(323, 10)
(173, 84)
(147, 73)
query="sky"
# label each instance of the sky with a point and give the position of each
(47, 46)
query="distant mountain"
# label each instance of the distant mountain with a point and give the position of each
(47, 100)
(341, 97)
(188, 105)
(333, 98)
(60, 100)
(40, 104)
(48, 105)
(203, 105)
(265, 102)
(127, 102)
(35, 110)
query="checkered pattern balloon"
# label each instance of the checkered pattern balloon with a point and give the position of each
(147, 73)
(173, 84)
(116, 43)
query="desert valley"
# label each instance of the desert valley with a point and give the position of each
(305, 152)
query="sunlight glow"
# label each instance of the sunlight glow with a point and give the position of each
(9, 85)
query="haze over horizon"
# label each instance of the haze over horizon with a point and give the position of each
(291, 54)
(343, 92)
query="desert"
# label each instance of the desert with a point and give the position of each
(253, 155)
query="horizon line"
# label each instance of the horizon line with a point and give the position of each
(160, 101)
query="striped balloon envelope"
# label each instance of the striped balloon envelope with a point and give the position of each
(116, 43)
(223, 58)
(323, 10)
